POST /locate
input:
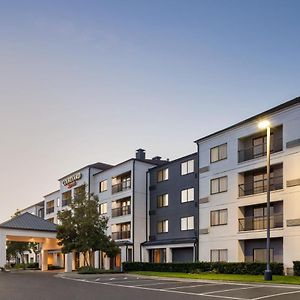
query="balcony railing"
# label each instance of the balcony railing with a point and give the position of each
(260, 186)
(259, 150)
(120, 235)
(49, 210)
(256, 223)
(122, 186)
(65, 202)
(121, 211)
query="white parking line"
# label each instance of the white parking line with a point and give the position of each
(192, 286)
(207, 294)
(275, 295)
(168, 282)
(229, 290)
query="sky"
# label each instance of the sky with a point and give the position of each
(88, 81)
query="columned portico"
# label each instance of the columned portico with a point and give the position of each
(29, 228)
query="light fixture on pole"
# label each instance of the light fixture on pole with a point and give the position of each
(266, 125)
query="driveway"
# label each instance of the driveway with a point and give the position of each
(48, 285)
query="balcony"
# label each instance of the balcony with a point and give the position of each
(120, 187)
(49, 210)
(121, 211)
(120, 235)
(260, 223)
(65, 202)
(259, 150)
(260, 186)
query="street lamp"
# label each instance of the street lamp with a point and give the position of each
(266, 125)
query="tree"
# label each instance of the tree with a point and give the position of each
(83, 228)
(17, 248)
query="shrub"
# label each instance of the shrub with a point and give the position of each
(92, 270)
(32, 265)
(200, 267)
(54, 267)
(296, 268)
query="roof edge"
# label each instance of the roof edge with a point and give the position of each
(274, 109)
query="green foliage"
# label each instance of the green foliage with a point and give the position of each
(54, 267)
(92, 270)
(83, 228)
(17, 248)
(199, 267)
(296, 268)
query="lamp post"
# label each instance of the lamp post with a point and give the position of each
(266, 125)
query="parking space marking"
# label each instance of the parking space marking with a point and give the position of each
(212, 294)
(230, 290)
(276, 295)
(157, 283)
(192, 286)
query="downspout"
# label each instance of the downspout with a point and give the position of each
(198, 206)
(133, 210)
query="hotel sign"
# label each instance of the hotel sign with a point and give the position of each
(72, 179)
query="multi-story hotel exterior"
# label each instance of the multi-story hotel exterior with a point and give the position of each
(206, 206)
(121, 190)
(232, 189)
(173, 211)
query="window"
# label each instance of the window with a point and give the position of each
(218, 217)
(163, 175)
(162, 200)
(103, 186)
(162, 226)
(79, 191)
(218, 153)
(66, 198)
(103, 208)
(187, 223)
(218, 255)
(260, 145)
(51, 220)
(187, 167)
(260, 255)
(187, 195)
(218, 185)
(50, 207)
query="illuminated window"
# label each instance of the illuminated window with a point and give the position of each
(187, 223)
(187, 167)
(187, 195)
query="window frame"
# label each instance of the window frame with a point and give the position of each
(100, 208)
(218, 148)
(161, 223)
(186, 172)
(100, 190)
(218, 211)
(187, 223)
(164, 175)
(219, 180)
(161, 199)
(219, 255)
(187, 194)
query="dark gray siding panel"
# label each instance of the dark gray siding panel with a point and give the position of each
(175, 210)
(182, 254)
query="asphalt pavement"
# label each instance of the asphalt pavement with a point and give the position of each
(49, 285)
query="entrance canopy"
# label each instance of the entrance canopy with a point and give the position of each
(28, 228)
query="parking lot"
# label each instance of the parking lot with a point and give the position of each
(201, 289)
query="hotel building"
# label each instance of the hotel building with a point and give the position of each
(232, 189)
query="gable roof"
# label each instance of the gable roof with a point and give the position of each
(28, 221)
(277, 108)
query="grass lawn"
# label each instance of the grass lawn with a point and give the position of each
(225, 277)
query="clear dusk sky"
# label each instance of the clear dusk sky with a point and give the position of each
(87, 81)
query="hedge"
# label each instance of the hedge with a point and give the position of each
(296, 268)
(199, 267)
